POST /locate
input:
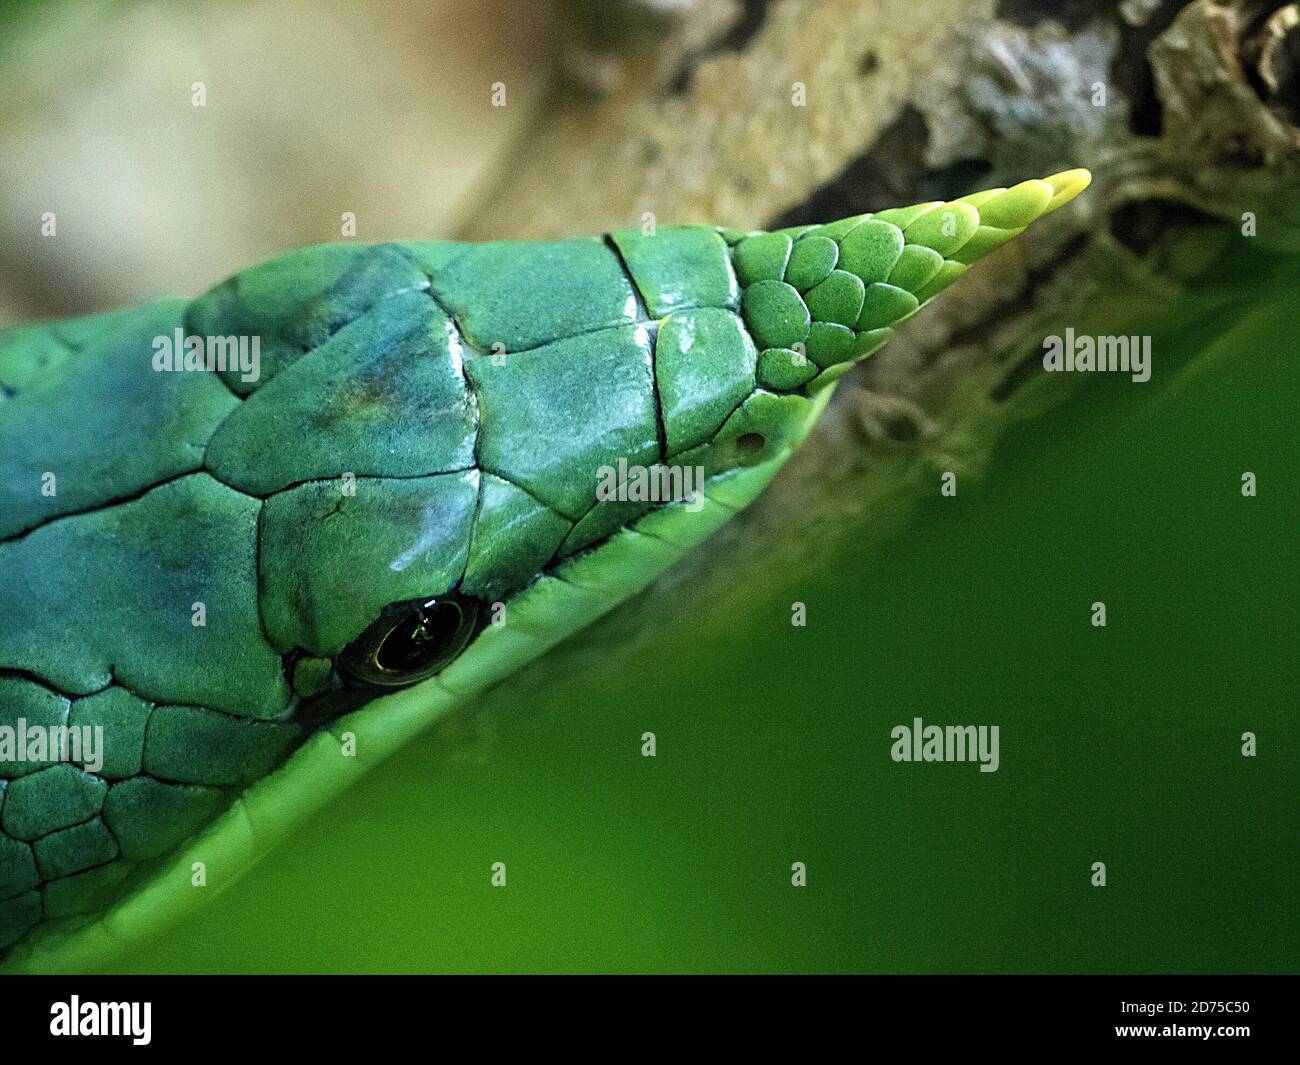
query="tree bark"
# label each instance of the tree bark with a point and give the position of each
(1185, 111)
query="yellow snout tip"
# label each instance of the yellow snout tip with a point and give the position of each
(1066, 186)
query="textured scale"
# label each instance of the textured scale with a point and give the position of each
(473, 391)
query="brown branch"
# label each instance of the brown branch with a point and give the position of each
(1185, 111)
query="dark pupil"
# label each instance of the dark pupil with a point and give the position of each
(419, 638)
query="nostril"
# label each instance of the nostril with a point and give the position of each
(751, 443)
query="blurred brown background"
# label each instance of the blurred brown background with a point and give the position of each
(312, 109)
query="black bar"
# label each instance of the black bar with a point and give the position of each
(861, 1014)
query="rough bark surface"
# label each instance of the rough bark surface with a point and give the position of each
(1185, 111)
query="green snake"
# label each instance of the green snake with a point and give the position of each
(254, 580)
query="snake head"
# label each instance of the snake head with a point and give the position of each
(515, 409)
(437, 461)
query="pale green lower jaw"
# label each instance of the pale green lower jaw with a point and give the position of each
(576, 593)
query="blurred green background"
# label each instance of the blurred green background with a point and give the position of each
(1119, 745)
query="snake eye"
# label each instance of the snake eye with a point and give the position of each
(411, 641)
